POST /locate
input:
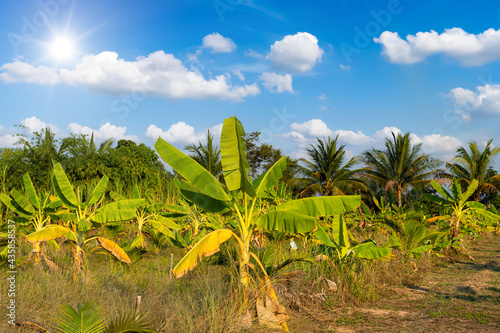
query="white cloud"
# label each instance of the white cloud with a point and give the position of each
(182, 133)
(218, 43)
(239, 74)
(105, 132)
(18, 71)
(469, 49)
(313, 127)
(306, 133)
(277, 83)
(345, 67)
(486, 100)
(253, 53)
(34, 124)
(322, 97)
(298, 52)
(7, 138)
(158, 74)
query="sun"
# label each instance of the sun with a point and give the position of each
(62, 48)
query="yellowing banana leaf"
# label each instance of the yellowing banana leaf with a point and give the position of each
(21, 201)
(322, 206)
(63, 187)
(30, 191)
(268, 180)
(191, 170)
(286, 221)
(234, 157)
(118, 211)
(98, 191)
(52, 231)
(114, 249)
(167, 222)
(206, 247)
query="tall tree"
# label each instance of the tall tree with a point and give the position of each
(207, 155)
(41, 152)
(475, 164)
(400, 165)
(326, 172)
(81, 145)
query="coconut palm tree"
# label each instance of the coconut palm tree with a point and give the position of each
(400, 165)
(475, 164)
(325, 172)
(207, 155)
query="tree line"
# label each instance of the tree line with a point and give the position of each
(401, 171)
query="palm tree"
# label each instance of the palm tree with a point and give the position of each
(325, 172)
(475, 164)
(207, 155)
(400, 165)
(82, 146)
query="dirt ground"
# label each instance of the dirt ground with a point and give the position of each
(455, 296)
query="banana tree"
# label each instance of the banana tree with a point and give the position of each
(460, 207)
(37, 208)
(148, 218)
(339, 241)
(238, 200)
(81, 213)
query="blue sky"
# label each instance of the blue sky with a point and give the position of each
(294, 71)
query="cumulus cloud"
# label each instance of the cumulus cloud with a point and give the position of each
(218, 43)
(182, 133)
(33, 124)
(18, 71)
(299, 52)
(345, 67)
(7, 138)
(105, 132)
(306, 133)
(486, 100)
(455, 43)
(254, 54)
(277, 83)
(322, 97)
(158, 74)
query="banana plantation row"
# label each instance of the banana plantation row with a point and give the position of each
(240, 196)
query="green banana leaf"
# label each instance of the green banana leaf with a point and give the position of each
(234, 157)
(98, 191)
(191, 170)
(30, 191)
(116, 211)
(322, 206)
(206, 202)
(286, 221)
(268, 180)
(63, 187)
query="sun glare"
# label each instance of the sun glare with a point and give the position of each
(62, 48)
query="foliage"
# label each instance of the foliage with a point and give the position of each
(475, 164)
(325, 173)
(400, 165)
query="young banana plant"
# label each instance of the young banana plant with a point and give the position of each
(460, 207)
(340, 241)
(37, 208)
(239, 200)
(80, 214)
(147, 216)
